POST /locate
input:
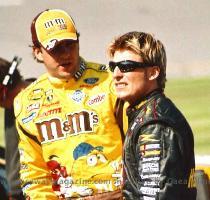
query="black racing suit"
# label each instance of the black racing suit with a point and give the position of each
(158, 152)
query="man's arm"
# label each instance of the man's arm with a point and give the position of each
(35, 177)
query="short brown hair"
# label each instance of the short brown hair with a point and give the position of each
(151, 51)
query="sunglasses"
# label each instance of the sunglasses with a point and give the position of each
(127, 65)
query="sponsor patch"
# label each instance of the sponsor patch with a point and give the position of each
(151, 153)
(49, 95)
(51, 104)
(36, 94)
(77, 96)
(151, 159)
(148, 138)
(96, 99)
(151, 183)
(149, 191)
(150, 149)
(150, 167)
(150, 176)
(29, 118)
(145, 147)
(32, 107)
(152, 146)
(50, 112)
(75, 123)
(51, 44)
(91, 81)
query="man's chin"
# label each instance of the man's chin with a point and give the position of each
(66, 76)
(121, 96)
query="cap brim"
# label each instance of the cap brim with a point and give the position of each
(50, 43)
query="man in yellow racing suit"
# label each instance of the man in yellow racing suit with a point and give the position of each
(70, 144)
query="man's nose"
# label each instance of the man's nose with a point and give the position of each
(63, 53)
(117, 73)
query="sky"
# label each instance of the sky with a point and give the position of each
(182, 26)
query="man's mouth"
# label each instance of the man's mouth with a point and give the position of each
(120, 85)
(65, 64)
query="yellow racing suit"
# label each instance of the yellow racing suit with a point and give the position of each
(70, 144)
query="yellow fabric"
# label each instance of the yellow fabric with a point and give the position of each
(206, 169)
(125, 119)
(68, 132)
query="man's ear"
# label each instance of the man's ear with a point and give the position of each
(154, 72)
(38, 54)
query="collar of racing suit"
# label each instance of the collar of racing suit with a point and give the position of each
(132, 111)
(77, 75)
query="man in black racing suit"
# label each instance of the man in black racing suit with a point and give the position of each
(159, 146)
(158, 154)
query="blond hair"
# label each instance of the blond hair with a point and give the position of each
(150, 50)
